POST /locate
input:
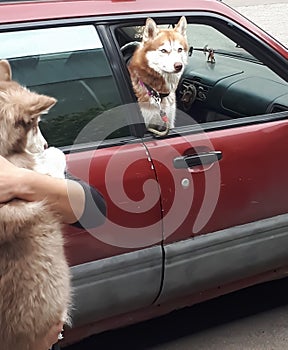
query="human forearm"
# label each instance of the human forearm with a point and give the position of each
(66, 197)
(71, 198)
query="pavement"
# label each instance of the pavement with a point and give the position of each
(270, 15)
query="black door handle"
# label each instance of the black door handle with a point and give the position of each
(190, 161)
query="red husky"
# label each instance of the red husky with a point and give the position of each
(155, 70)
(34, 278)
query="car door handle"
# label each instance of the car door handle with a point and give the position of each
(190, 161)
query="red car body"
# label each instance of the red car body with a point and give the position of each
(176, 234)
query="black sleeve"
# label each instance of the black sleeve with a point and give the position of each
(94, 213)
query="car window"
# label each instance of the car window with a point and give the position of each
(224, 80)
(69, 64)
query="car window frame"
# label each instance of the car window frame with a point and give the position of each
(105, 27)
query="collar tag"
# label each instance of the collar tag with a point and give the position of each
(163, 116)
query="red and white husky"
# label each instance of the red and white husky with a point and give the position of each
(155, 70)
(35, 292)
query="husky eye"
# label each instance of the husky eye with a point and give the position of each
(180, 49)
(164, 51)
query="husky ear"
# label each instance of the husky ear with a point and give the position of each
(181, 26)
(5, 71)
(41, 105)
(150, 30)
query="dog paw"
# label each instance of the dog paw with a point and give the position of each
(51, 161)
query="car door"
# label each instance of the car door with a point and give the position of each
(223, 170)
(89, 123)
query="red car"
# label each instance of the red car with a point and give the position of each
(193, 215)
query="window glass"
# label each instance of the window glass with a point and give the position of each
(70, 65)
(52, 40)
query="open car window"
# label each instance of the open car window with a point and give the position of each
(232, 84)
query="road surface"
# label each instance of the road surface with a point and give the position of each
(270, 15)
(252, 319)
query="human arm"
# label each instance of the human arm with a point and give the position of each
(67, 197)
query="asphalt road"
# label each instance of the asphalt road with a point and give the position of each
(270, 15)
(253, 319)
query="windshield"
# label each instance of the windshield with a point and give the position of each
(200, 37)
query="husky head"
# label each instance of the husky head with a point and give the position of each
(166, 49)
(20, 111)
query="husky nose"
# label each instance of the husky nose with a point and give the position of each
(45, 145)
(178, 66)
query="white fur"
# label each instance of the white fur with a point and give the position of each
(50, 161)
(35, 141)
(151, 114)
(163, 62)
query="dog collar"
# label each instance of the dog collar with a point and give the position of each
(157, 96)
(152, 92)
